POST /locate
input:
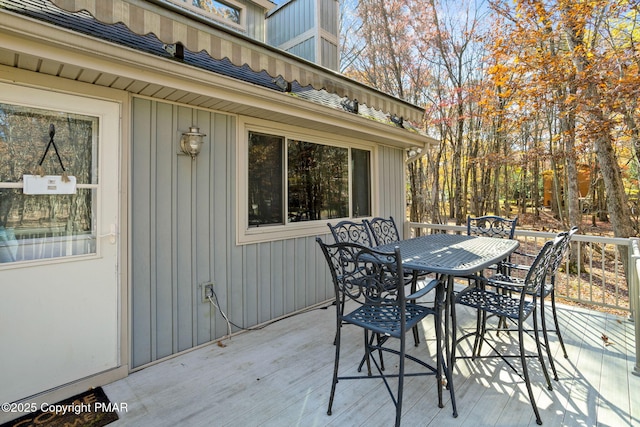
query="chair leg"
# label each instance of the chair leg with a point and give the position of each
(525, 371)
(481, 328)
(334, 382)
(364, 359)
(400, 382)
(545, 335)
(539, 349)
(555, 321)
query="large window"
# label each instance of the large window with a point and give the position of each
(291, 180)
(40, 226)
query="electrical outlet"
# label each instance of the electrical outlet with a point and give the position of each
(207, 291)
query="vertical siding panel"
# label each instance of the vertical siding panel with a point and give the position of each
(314, 291)
(140, 256)
(162, 158)
(382, 181)
(300, 274)
(278, 289)
(183, 240)
(204, 192)
(221, 142)
(324, 286)
(251, 269)
(263, 283)
(289, 276)
(235, 255)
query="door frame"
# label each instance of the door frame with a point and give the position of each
(21, 78)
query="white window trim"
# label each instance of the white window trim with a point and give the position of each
(108, 114)
(242, 26)
(248, 235)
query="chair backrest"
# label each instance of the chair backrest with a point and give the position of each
(364, 275)
(534, 281)
(383, 230)
(351, 232)
(492, 226)
(561, 246)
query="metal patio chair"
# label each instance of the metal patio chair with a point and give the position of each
(560, 248)
(353, 232)
(370, 291)
(496, 227)
(517, 305)
(492, 226)
(385, 231)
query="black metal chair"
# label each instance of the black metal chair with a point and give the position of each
(383, 230)
(350, 231)
(550, 286)
(370, 293)
(496, 227)
(492, 226)
(355, 232)
(560, 248)
(517, 305)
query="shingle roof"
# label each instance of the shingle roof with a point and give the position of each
(118, 33)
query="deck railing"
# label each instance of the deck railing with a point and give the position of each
(593, 274)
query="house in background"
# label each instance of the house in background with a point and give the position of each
(112, 277)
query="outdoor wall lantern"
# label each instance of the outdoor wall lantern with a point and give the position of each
(413, 153)
(191, 142)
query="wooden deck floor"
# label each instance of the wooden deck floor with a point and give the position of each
(280, 376)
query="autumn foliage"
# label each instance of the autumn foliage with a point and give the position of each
(524, 95)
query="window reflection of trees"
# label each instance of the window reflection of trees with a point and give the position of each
(43, 226)
(265, 179)
(318, 179)
(219, 9)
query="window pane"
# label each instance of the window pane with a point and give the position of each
(46, 226)
(318, 178)
(361, 187)
(213, 7)
(265, 179)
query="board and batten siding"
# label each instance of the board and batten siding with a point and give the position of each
(391, 182)
(183, 224)
(291, 21)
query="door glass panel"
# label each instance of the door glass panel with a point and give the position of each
(34, 227)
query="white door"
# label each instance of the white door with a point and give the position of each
(59, 303)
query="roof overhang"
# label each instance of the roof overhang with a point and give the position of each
(37, 46)
(144, 17)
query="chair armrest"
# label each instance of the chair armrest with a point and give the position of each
(524, 254)
(506, 282)
(513, 266)
(424, 290)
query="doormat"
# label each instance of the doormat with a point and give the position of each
(89, 409)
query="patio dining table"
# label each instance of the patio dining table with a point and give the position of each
(450, 256)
